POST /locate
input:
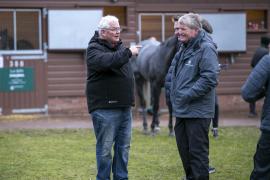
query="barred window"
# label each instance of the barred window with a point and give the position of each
(20, 30)
(159, 25)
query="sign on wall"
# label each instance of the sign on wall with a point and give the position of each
(72, 29)
(16, 79)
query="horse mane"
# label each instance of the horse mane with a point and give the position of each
(170, 41)
(167, 50)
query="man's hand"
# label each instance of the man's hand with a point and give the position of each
(135, 49)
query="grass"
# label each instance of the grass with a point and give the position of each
(70, 155)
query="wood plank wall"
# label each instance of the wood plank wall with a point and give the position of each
(35, 98)
(232, 79)
(66, 74)
(66, 70)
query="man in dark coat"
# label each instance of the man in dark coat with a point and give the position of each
(109, 91)
(259, 53)
(193, 79)
(256, 87)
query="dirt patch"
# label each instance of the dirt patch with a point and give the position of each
(21, 117)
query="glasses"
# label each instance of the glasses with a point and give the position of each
(114, 29)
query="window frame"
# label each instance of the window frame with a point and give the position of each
(163, 23)
(15, 51)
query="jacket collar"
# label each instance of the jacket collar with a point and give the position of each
(96, 39)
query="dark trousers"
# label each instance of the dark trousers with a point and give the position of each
(216, 117)
(261, 158)
(252, 107)
(193, 146)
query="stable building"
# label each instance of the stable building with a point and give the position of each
(42, 44)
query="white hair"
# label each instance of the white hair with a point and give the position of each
(191, 20)
(105, 21)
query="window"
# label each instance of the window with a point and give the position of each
(158, 25)
(257, 20)
(20, 31)
(119, 11)
(169, 25)
(151, 25)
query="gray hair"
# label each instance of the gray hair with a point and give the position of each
(105, 21)
(191, 20)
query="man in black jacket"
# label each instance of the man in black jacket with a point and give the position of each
(259, 53)
(110, 95)
(256, 87)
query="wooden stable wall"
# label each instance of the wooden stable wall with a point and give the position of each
(66, 74)
(26, 101)
(233, 78)
(66, 69)
(230, 80)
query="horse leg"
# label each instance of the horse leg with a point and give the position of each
(170, 125)
(139, 87)
(155, 93)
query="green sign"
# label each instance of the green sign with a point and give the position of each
(16, 79)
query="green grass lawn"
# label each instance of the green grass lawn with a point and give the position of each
(70, 155)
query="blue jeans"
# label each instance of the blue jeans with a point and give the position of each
(112, 128)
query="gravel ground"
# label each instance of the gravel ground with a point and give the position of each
(61, 121)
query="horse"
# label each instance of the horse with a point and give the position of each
(7, 42)
(152, 64)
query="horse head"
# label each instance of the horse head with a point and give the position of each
(6, 42)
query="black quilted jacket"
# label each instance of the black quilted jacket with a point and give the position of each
(258, 86)
(110, 80)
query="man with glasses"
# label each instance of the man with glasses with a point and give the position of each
(110, 95)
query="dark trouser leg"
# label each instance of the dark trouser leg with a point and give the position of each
(261, 169)
(170, 125)
(182, 143)
(252, 108)
(197, 132)
(215, 120)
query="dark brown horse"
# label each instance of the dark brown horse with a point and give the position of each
(152, 65)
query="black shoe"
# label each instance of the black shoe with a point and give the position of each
(211, 170)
